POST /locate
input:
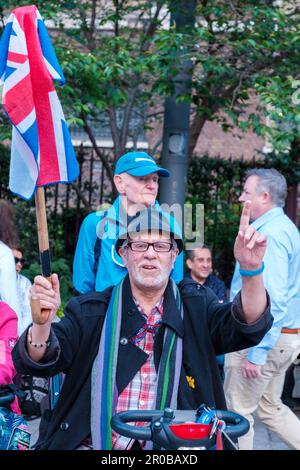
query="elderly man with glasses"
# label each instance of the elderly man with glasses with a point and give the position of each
(147, 343)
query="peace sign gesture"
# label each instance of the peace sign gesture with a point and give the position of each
(250, 245)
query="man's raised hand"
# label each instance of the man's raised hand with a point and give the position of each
(48, 294)
(250, 245)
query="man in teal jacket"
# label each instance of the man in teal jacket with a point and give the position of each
(97, 265)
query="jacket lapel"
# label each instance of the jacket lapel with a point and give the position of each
(130, 357)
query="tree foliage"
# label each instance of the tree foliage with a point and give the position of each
(119, 58)
(246, 47)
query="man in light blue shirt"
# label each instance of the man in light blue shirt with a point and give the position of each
(254, 378)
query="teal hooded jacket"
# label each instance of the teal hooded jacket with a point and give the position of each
(89, 276)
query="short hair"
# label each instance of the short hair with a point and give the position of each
(271, 181)
(191, 253)
(8, 231)
(17, 248)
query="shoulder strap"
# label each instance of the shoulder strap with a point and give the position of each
(97, 250)
(97, 254)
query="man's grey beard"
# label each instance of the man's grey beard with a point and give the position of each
(159, 279)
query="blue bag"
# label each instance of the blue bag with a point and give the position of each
(14, 432)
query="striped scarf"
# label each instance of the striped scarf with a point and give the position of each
(104, 393)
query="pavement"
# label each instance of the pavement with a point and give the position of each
(264, 439)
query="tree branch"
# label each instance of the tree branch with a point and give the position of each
(156, 146)
(89, 32)
(115, 131)
(195, 130)
(81, 196)
(127, 116)
(236, 90)
(151, 28)
(154, 115)
(97, 150)
(93, 17)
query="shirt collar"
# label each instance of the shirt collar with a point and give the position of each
(267, 217)
(205, 283)
(134, 318)
(208, 280)
(157, 307)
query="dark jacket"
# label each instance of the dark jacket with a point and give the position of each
(215, 284)
(208, 328)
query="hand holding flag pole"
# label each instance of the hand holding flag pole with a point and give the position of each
(40, 316)
(41, 149)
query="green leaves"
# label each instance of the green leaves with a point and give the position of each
(279, 95)
(116, 52)
(246, 48)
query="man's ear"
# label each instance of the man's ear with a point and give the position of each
(119, 183)
(123, 254)
(189, 263)
(266, 197)
(174, 256)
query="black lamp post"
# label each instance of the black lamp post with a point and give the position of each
(176, 116)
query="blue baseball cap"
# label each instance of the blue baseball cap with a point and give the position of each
(139, 164)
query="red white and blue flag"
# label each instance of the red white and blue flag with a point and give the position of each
(41, 151)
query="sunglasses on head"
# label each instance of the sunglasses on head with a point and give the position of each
(19, 260)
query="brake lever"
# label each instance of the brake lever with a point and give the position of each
(214, 426)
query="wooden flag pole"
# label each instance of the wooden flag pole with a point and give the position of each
(40, 316)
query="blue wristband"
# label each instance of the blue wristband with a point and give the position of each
(244, 272)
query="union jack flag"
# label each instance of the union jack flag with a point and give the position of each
(41, 151)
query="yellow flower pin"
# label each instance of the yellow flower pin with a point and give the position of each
(190, 381)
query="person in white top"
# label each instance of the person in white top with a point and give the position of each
(23, 286)
(8, 281)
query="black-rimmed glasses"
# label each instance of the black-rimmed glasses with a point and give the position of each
(159, 247)
(19, 260)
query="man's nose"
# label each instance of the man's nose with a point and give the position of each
(150, 253)
(242, 198)
(151, 184)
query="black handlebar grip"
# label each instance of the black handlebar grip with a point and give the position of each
(120, 420)
(236, 425)
(7, 399)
